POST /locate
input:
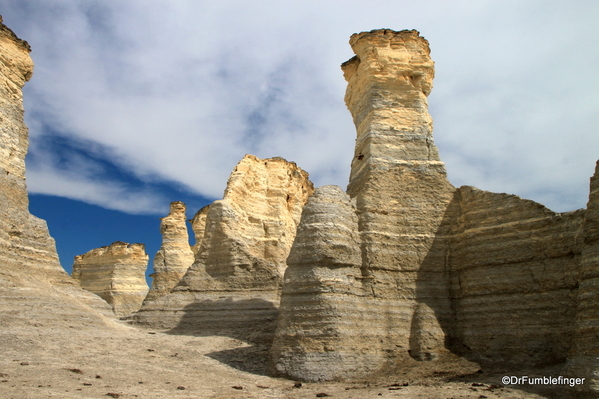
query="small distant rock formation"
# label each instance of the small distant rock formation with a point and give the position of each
(115, 273)
(243, 241)
(31, 277)
(174, 256)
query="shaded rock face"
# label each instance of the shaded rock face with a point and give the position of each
(405, 268)
(514, 277)
(175, 254)
(243, 240)
(31, 277)
(115, 273)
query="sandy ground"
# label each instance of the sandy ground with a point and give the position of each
(121, 361)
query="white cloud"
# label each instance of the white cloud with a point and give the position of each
(182, 90)
(82, 186)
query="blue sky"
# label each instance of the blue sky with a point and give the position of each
(134, 104)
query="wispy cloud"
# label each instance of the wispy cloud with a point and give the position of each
(180, 91)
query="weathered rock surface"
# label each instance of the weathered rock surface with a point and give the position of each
(32, 280)
(175, 254)
(116, 273)
(233, 287)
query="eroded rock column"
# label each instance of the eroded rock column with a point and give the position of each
(175, 254)
(402, 199)
(400, 185)
(323, 320)
(116, 273)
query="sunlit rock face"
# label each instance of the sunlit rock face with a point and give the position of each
(175, 254)
(242, 243)
(115, 273)
(31, 277)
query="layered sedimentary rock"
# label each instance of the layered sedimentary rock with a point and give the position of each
(175, 254)
(323, 320)
(402, 195)
(31, 277)
(234, 285)
(514, 278)
(584, 357)
(115, 273)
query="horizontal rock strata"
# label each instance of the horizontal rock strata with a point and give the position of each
(175, 254)
(32, 281)
(514, 271)
(115, 273)
(322, 319)
(233, 287)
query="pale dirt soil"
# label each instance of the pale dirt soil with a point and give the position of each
(121, 361)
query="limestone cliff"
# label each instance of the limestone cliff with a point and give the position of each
(175, 254)
(115, 273)
(31, 277)
(233, 287)
(401, 193)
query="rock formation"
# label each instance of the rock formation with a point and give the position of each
(402, 194)
(408, 268)
(174, 256)
(116, 273)
(31, 277)
(233, 287)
